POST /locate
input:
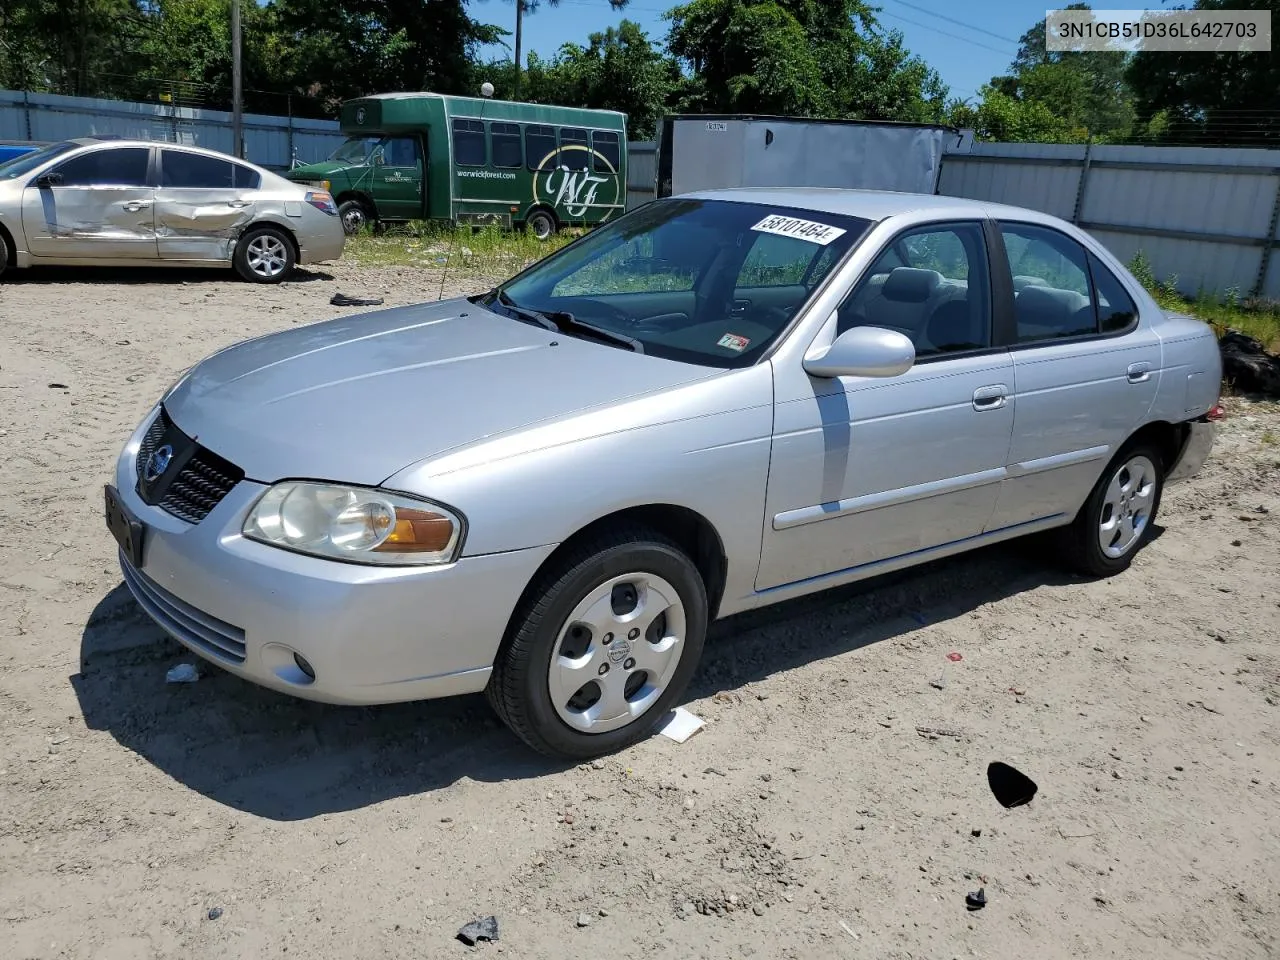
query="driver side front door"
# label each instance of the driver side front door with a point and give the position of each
(867, 471)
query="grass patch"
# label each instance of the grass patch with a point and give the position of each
(1254, 316)
(488, 252)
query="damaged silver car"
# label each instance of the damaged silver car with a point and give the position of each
(121, 203)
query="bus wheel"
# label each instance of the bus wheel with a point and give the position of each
(355, 216)
(542, 224)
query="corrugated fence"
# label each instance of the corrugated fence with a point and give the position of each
(1207, 215)
(270, 142)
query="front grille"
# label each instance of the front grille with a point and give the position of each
(183, 622)
(195, 480)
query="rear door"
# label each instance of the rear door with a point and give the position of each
(100, 205)
(1086, 372)
(202, 204)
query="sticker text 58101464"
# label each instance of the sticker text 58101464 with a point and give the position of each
(820, 233)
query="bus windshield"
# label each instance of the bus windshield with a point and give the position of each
(356, 150)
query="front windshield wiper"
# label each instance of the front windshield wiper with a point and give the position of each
(561, 321)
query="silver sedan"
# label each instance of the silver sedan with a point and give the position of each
(125, 203)
(717, 402)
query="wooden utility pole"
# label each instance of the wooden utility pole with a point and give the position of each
(519, 24)
(237, 104)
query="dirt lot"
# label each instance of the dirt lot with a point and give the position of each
(810, 818)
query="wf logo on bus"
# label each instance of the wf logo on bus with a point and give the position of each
(574, 191)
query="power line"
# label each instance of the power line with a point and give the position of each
(925, 26)
(959, 23)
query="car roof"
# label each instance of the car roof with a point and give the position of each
(871, 204)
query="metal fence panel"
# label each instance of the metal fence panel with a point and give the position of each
(1205, 215)
(642, 172)
(268, 140)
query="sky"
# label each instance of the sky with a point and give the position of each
(966, 56)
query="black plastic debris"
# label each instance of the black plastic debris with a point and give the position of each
(977, 899)
(342, 300)
(477, 930)
(58, 386)
(214, 913)
(1011, 788)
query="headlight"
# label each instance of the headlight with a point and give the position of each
(356, 524)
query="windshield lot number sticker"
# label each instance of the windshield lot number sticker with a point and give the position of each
(733, 342)
(819, 233)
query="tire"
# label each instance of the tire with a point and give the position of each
(264, 255)
(1125, 498)
(355, 216)
(579, 609)
(541, 224)
(5, 254)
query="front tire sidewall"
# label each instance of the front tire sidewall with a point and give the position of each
(542, 225)
(356, 210)
(240, 260)
(1088, 555)
(540, 634)
(4, 255)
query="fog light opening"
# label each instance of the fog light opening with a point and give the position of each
(304, 666)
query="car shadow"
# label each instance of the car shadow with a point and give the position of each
(156, 276)
(286, 759)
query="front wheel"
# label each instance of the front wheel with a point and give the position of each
(541, 224)
(1118, 517)
(355, 216)
(264, 255)
(603, 646)
(5, 253)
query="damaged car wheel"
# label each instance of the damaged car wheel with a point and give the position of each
(264, 255)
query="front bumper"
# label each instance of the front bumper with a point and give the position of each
(370, 634)
(1194, 453)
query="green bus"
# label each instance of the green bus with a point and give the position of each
(472, 160)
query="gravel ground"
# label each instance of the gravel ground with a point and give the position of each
(809, 819)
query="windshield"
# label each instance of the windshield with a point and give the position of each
(356, 150)
(712, 282)
(24, 164)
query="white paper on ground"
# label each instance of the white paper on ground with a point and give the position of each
(182, 673)
(680, 725)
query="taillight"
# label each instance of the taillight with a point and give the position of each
(322, 201)
(1216, 412)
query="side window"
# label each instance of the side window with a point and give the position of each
(932, 284)
(573, 138)
(775, 261)
(1051, 297)
(505, 143)
(402, 152)
(539, 143)
(468, 142)
(122, 167)
(247, 179)
(1116, 310)
(195, 171)
(609, 155)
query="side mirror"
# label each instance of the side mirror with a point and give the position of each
(47, 180)
(863, 352)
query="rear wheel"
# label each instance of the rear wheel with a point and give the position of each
(603, 646)
(264, 255)
(355, 216)
(5, 253)
(1117, 519)
(541, 224)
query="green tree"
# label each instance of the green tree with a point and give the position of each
(1220, 98)
(999, 116)
(1086, 91)
(77, 47)
(799, 58)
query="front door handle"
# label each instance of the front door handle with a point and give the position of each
(133, 206)
(237, 203)
(1138, 372)
(990, 398)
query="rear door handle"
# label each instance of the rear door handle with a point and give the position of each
(990, 398)
(1138, 372)
(237, 203)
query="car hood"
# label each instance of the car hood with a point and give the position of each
(359, 398)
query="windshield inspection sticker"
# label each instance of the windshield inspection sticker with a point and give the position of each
(818, 233)
(733, 342)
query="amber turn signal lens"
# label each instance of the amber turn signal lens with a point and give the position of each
(417, 531)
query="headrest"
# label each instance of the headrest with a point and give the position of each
(1051, 299)
(911, 285)
(1021, 281)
